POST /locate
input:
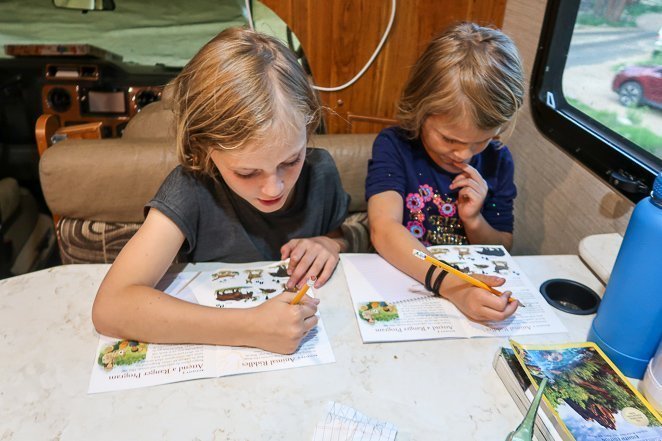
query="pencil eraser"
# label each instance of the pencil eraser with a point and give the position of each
(418, 253)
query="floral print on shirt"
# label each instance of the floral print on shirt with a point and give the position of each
(433, 218)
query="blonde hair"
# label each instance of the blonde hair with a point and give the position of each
(237, 89)
(467, 71)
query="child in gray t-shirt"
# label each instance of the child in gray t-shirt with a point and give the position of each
(246, 189)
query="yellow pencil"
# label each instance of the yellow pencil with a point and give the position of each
(466, 277)
(302, 292)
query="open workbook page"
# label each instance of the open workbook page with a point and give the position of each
(391, 306)
(126, 364)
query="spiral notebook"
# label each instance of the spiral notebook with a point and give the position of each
(391, 306)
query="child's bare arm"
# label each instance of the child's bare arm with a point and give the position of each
(127, 305)
(480, 231)
(390, 238)
(395, 243)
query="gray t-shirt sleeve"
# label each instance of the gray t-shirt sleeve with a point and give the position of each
(326, 180)
(177, 198)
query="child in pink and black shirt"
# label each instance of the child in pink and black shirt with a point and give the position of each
(430, 210)
(442, 176)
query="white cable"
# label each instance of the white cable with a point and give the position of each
(367, 65)
(249, 15)
(372, 58)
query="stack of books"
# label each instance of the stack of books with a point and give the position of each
(586, 398)
(519, 387)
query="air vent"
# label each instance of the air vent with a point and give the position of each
(71, 72)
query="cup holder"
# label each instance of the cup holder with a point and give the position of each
(570, 296)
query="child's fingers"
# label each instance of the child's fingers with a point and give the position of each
(286, 249)
(489, 280)
(309, 323)
(308, 309)
(468, 169)
(490, 315)
(297, 251)
(307, 300)
(502, 311)
(315, 270)
(322, 268)
(488, 300)
(469, 194)
(466, 184)
(304, 269)
(302, 265)
(511, 308)
(461, 182)
(326, 272)
(508, 310)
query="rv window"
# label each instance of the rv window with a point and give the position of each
(596, 89)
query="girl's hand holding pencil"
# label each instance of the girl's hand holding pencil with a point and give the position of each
(280, 323)
(480, 301)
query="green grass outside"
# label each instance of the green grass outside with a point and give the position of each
(639, 8)
(641, 136)
(589, 19)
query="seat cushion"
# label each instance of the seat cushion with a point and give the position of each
(89, 241)
(111, 180)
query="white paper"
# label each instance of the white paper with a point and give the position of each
(123, 364)
(391, 306)
(342, 423)
(248, 287)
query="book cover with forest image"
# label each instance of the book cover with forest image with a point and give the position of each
(587, 394)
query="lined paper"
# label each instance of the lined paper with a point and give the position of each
(343, 423)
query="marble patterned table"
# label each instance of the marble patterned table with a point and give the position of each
(432, 390)
(599, 252)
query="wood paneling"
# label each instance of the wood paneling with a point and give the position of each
(339, 36)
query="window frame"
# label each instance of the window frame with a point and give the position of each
(614, 159)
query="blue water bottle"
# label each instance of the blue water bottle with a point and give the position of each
(628, 326)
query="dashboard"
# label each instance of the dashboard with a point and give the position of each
(83, 83)
(79, 84)
(79, 99)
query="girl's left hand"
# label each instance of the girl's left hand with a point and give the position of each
(315, 256)
(472, 194)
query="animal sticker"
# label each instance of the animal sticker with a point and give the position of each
(122, 353)
(222, 275)
(234, 293)
(373, 312)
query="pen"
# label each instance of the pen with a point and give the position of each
(303, 290)
(466, 277)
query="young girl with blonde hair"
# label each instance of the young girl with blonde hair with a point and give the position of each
(442, 176)
(246, 189)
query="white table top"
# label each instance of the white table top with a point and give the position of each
(432, 390)
(599, 252)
